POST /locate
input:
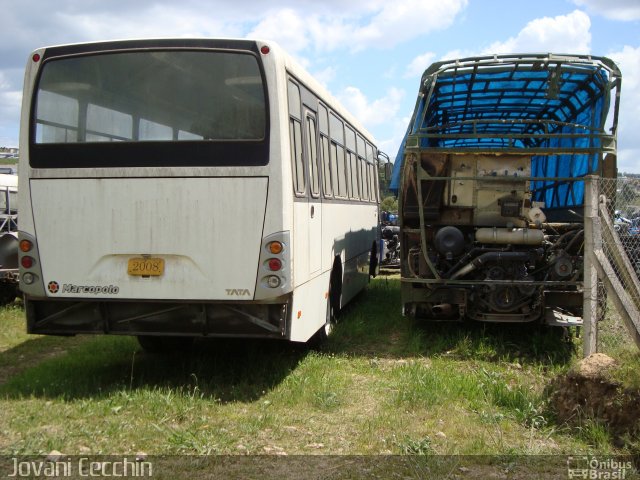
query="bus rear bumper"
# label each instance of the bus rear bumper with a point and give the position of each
(70, 317)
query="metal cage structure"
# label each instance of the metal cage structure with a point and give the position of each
(491, 179)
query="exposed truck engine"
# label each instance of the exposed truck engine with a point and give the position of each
(491, 185)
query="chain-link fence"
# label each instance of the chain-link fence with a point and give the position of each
(617, 249)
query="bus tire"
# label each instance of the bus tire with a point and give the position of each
(332, 306)
(321, 336)
(373, 260)
(160, 344)
(335, 286)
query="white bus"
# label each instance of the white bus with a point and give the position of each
(179, 188)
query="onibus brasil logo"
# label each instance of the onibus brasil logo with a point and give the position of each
(593, 468)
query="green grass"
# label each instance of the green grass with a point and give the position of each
(383, 384)
(615, 341)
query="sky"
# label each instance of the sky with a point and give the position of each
(370, 54)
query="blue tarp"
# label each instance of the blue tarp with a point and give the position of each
(511, 102)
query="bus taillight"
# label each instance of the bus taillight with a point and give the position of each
(25, 246)
(27, 262)
(275, 248)
(274, 264)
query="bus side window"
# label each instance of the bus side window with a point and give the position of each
(362, 169)
(313, 157)
(364, 182)
(338, 160)
(371, 164)
(338, 169)
(326, 166)
(295, 133)
(323, 122)
(295, 136)
(354, 190)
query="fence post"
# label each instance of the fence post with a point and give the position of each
(590, 286)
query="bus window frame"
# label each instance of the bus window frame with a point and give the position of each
(123, 154)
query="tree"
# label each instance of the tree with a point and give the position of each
(389, 204)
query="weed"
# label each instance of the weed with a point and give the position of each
(416, 447)
(419, 385)
(595, 434)
(526, 406)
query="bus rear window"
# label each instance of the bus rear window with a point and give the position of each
(150, 96)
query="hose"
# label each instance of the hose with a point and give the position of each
(492, 257)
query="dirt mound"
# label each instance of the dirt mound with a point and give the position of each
(596, 366)
(588, 391)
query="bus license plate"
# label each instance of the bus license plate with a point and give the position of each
(146, 267)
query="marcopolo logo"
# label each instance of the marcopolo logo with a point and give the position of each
(91, 289)
(54, 288)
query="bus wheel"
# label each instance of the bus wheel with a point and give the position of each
(321, 336)
(157, 344)
(335, 286)
(333, 306)
(373, 260)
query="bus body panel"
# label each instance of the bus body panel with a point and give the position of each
(316, 249)
(351, 239)
(300, 242)
(191, 223)
(353, 248)
(309, 306)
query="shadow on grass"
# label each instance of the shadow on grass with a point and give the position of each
(31, 352)
(374, 326)
(226, 370)
(230, 370)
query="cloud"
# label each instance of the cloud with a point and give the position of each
(325, 76)
(10, 103)
(385, 25)
(562, 34)
(25, 29)
(419, 64)
(398, 22)
(626, 10)
(153, 22)
(394, 134)
(379, 115)
(628, 60)
(569, 33)
(371, 113)
(286, 27)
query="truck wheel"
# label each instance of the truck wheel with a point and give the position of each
(8, 293)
